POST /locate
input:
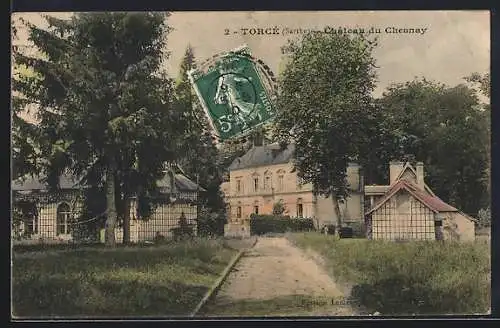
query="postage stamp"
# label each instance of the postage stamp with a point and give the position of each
(235, 91)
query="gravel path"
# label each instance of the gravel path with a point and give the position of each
(276, 278)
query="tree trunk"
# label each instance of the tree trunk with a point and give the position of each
(111, 217)
(126, 221)
(336, 208)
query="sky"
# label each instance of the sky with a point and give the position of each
(443, 46)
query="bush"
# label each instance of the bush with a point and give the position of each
(211, 224)
(345, 232)
(484, 218)
(358, 229)
(262, 224)
(278, 209)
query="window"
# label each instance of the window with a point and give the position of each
(267, 183)
(299, 183)
(256, 184)
(238, 212)
(63, 219)
(30, 218)
(300, 208)
(256, 209)
(280, 182)
(238, 186)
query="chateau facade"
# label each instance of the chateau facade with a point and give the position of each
(265, 176)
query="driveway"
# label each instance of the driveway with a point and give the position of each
(277, 279)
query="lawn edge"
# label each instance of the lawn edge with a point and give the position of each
(218, 283)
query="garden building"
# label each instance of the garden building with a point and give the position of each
(407, 209)
(56, 216)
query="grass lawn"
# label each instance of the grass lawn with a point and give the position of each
(408, 278)
(159, 281)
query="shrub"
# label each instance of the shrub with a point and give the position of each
(261, 224)
(358, 229)
(345, 232)
(278, 208)
(211, 224)
(484, 218)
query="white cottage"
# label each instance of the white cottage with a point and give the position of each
(407, 209)
(54, 216)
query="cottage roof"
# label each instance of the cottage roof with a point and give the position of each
(182, 183)
(263, 155)
(409, 167)
(68, 182)
(433, 202)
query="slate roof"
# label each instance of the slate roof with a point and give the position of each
(433, 202)
(182, 183)
(262, 156)
(66, 181)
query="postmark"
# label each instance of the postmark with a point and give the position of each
(236, 90)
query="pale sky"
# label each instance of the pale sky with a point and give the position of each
(453, 45)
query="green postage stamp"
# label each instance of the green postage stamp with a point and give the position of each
(235, 89)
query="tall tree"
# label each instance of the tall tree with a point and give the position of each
(199, 160)
(324, 96)
(483, 83)
(446, 129)
(25, 154)
(104, 105)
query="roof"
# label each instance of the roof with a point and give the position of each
(433, 202)
(182, 183)
(408, 166)
(66, 181)
(263, 156)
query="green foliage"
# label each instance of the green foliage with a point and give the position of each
(483, 82)
(324, 100)
(446, 129)
(408, 278)
(262, 224)
(484, 218)
(278, 208)
(94, 281)
(183, 230)
(210, 223)
(103, 103)
(358, 229)
(199, 160)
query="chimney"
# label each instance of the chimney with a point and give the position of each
(395, 168)
(420, 174)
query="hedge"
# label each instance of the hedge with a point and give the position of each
(261, 224)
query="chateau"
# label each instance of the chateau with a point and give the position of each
(265, 176)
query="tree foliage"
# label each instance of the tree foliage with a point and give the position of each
(200, 154)
(104, 106)
(445, 128)
(324, 98)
